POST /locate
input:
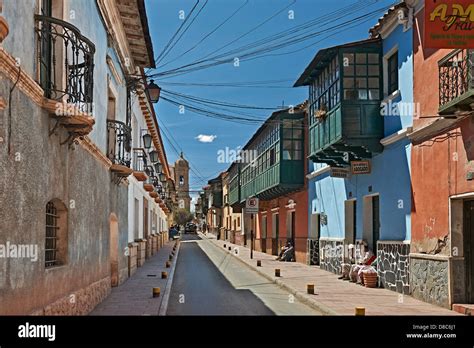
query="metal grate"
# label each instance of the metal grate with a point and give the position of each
(51, 235)
(455, 75)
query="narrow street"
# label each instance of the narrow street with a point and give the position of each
(210, 281)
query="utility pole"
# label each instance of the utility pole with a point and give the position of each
(251, 237)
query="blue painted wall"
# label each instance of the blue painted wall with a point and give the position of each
(390, 176)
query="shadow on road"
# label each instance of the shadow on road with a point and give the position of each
(199, 288)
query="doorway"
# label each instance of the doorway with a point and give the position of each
(113, 250)
(275, 234)
(264, 234)
(468, 237)
(371, 221)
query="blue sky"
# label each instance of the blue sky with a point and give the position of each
(163, 19)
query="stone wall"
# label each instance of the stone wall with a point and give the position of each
(331, 255)
(393, 266)
(312, 252)
(429, 280)
(79, 302)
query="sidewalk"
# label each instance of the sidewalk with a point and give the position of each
(135, 295)
(332, 296)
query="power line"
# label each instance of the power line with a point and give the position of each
(199, 65)
(185, 30)
(158, 59)
(208, 34)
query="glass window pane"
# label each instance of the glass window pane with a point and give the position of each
(374, 94)
(361, 58)
(287, 133)
(350, 94)
(361, 70)
(362, 94)
(297, 145)
(297, 155)
(361, 82)
(373, 82)
(348, 82)
(349, 70)
(374, 70)
(298, 132)
(373, 58)
(286, 155)
(287, 144)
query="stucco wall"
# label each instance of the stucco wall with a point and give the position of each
(39, 169)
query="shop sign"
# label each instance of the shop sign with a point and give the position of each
(360, 167)
(449, 24)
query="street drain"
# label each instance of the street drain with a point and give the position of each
(151, 275)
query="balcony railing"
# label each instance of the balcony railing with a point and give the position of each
(119, 142)
(140, 161)
(456, 80)
(66, 62)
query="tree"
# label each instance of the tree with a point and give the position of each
(182, 216)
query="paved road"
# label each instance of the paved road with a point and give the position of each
(209, 281)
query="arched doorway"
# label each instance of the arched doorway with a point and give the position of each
(113, 251)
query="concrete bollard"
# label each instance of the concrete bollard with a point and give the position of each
(230, 248)
(360, 311)
(310, 288)
(225, 245)
(164, 275)
(277, 272)
(171, 257)
(259, 263)
(156, 292)
(168, 264)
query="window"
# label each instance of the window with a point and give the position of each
(361, 76)
(56, 234)
(264, 227)
(392, 73)
(292, 140)
(324, 93)
(238, 221)
(181, 180)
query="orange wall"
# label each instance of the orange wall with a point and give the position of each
(438, 168)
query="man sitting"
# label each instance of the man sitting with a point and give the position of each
(287, 253)
(356, 270)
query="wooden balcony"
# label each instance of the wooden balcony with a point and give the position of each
(345, 93)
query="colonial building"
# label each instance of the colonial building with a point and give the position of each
(73, 113)
(358, 141)
(215, 205)
(275, 175)
(442, 247)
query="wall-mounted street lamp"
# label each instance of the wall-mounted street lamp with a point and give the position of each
(158, 167)
(154, 156)
(162, 177)
(153, 91)
(146, 140)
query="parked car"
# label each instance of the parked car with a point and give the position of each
(190, 228)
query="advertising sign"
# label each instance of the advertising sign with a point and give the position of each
(339, 172)
(449, 24)
(360, 167)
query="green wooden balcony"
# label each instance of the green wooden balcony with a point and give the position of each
(279, 166)
(345, 93)
(456, 82)
(216, 199)
(234, 190)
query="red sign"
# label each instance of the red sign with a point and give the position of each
(449, 24)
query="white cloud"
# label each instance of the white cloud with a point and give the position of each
(206, 138)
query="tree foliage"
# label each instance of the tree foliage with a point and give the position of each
(182, 216)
